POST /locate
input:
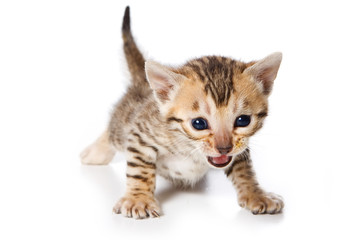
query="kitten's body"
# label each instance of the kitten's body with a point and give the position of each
(152, 123)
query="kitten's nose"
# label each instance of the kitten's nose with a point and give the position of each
(224, 149)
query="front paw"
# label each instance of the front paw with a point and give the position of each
(262, 203)
(138, 207)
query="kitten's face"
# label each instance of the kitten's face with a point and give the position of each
(217, 103)
(220, 132)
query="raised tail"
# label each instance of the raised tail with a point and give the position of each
(134, 58)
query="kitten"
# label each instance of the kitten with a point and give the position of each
(180, 122)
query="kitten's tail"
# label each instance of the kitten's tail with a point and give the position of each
(134, 58)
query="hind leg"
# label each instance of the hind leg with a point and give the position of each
(101, 152)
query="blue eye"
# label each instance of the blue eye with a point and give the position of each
(199, 123)
(242, 121)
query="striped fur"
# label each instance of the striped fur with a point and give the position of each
(217, 74)
(134, 58)
(250, 195)
(152, 124)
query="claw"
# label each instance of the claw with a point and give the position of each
(155, 214)
(272, 212)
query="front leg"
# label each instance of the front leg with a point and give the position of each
(139, 201)
(250, 195)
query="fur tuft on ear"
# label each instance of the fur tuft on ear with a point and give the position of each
(162, 80)
(265, 71)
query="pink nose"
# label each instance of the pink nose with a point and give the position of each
(224, 149)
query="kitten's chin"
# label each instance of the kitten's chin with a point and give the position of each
(219, 162)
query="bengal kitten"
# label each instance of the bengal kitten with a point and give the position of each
(180, 122)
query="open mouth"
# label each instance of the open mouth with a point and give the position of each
(220, 162)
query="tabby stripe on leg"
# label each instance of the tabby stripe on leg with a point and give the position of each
(139, 193)
(145, 165)
(142, 178)
(238, 159)
(150, 164)
(132, 164)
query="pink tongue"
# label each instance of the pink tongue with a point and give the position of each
(220, 160)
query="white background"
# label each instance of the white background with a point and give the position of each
(62, 69)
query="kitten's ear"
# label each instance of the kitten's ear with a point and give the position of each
(265, 71)
(162, 80)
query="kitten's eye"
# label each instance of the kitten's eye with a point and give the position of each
(242, 121)
(199, 123)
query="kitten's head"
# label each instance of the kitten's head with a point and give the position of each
(216, 102)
